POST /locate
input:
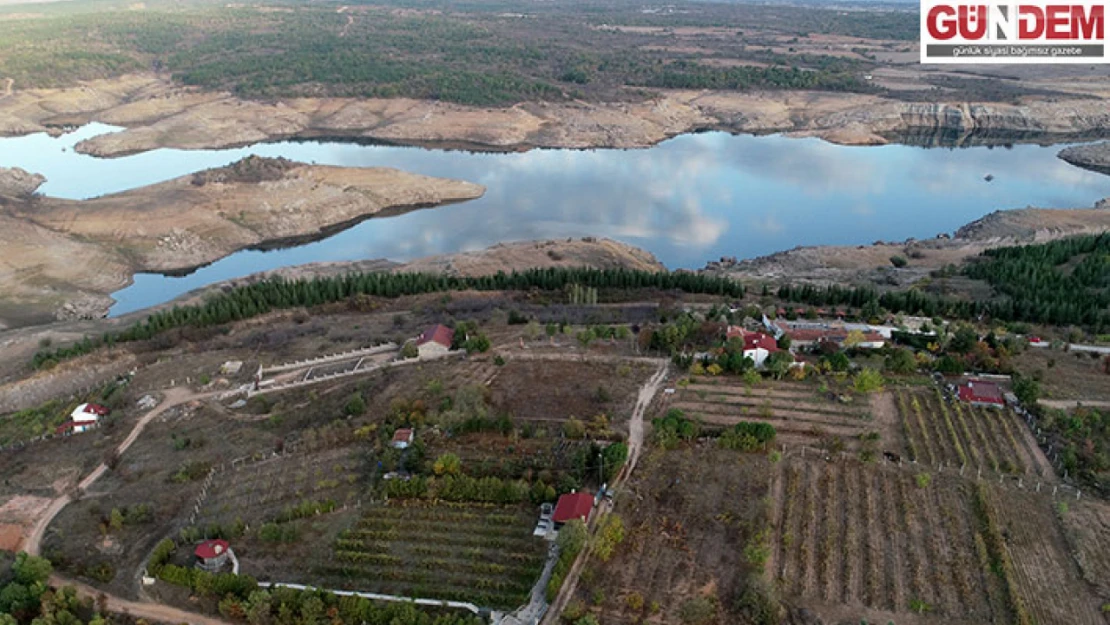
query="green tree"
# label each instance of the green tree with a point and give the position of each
(355, 406)
(868, 381)
(778, 363)
(900, 361)
(447, 464)
(613, 458)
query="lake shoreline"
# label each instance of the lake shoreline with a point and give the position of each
(86, 250)
(157, 113)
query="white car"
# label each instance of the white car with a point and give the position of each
(542, 528)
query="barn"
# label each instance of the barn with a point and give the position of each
(982, 393)
(573, 506)
(212, 554)
(435, 341)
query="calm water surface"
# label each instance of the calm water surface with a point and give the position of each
(688, 200)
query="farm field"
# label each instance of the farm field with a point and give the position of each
(857, 539)
(483, 554)
(545, 455)
(555, 390)
(688, 515)
(869, 537)
(1087, 528)
(271, 489)
(1066, 375)
(1046, 576)
(955, 433)
(799, 412)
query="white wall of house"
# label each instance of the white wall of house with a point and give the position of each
(431, 348)
(758, 356)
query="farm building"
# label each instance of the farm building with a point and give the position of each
(811, 336)
(573, 506)
(83, 418)
(212, 554)
(757, 346)
(981, 393)
(435, 341)
(402, 438)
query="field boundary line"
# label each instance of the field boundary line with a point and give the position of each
(441, 603)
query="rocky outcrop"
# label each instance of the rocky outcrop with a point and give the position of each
(158, 114)
(19, 184)
(1095, 156)
(62, 258)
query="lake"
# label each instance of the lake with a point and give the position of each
(688, 200)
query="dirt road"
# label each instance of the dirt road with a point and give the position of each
(152, 611)
(172, 397)
(635, 444)
(7, 88)
(1067, 404)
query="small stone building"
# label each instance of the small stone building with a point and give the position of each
(435, 341)
(212, 555)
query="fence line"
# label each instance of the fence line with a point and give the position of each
(337, 357)
(352, 372)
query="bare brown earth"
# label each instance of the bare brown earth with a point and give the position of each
(63, 257)
(847, 264)
(158, 113)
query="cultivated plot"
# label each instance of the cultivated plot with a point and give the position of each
(482, 554)
(954, 433)
(800, 413)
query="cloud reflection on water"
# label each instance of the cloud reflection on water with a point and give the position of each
(688, 200)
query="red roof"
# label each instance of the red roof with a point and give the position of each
(438, 333)
(981, 392)
(211, 548)
(403, 435)
(573, 506)
(758, 340)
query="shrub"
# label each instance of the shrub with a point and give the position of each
(898, 261)
(868, 381)
(609, 535)
(574, 428)
(697, 611)
(634, 601)
(923, 480)
(355, 406)
(447, 464)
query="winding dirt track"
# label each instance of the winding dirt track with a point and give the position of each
(172, 397)
(155, 611)
(635, 443)
(152, 611)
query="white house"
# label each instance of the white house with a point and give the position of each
(83, 418)
(435, 341)
(757, 346)
(403, 438)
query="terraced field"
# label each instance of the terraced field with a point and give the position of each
(463, 552)
(951, 432)
(264, 491)
(799, 412)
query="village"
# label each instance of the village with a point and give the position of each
(514, 469)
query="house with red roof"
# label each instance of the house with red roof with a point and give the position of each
(573, 506)
(83, 418)
(212, 554)
(402, 438)
(435, 341)
(757, 345)
(981, 393)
